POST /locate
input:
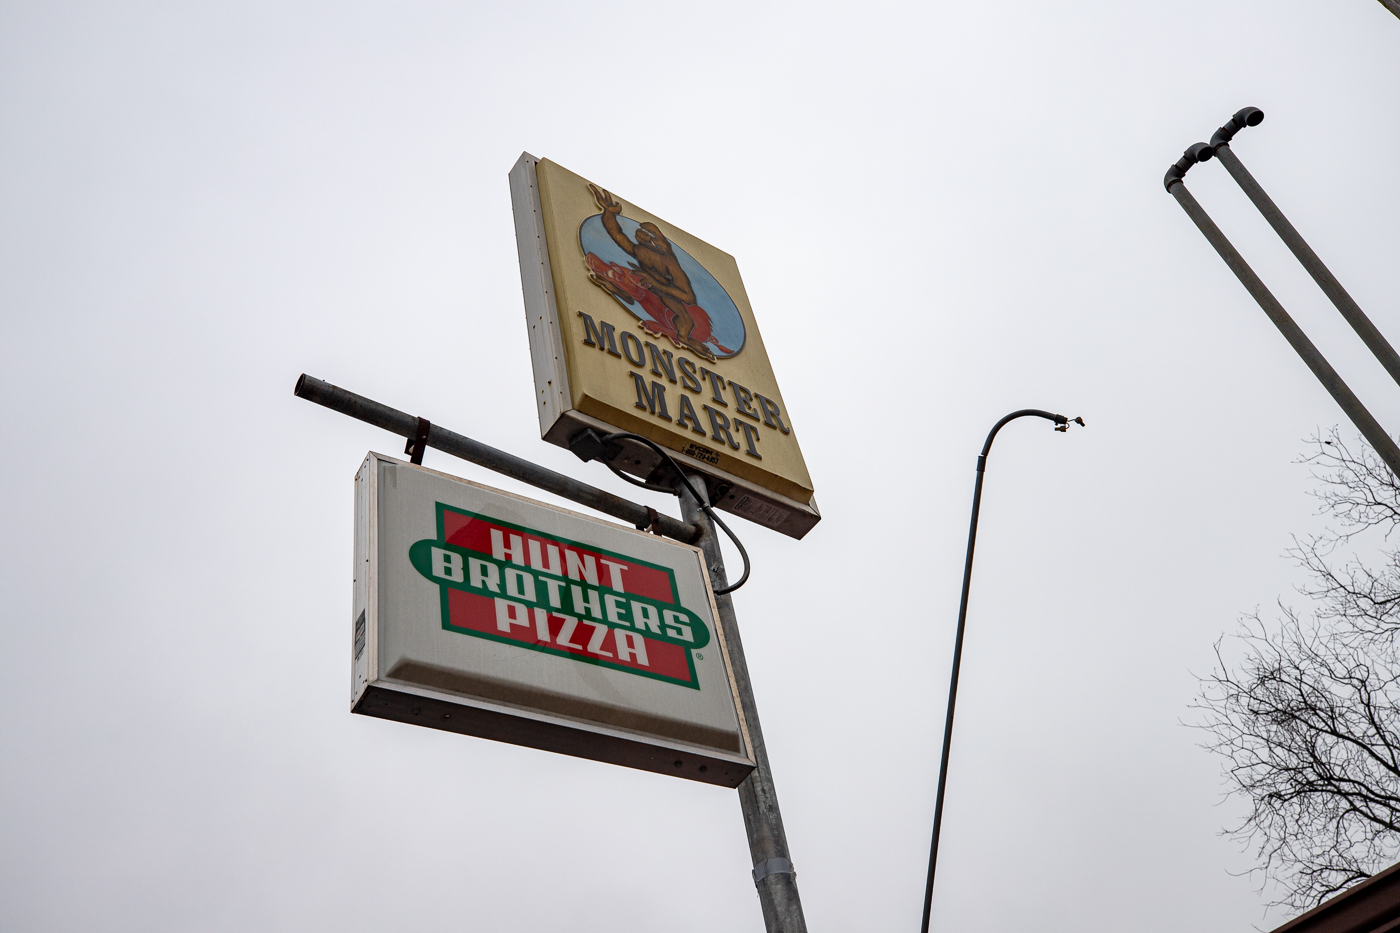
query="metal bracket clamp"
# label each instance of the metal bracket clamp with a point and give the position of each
(773, 866)
(418, 444)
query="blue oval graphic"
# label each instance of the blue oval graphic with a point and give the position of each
(661, 285)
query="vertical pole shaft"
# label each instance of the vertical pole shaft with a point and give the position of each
(1321, 274)
(758, 798)
(953, 688)
(1331, 381)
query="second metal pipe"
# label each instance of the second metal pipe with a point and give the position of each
(1331, 381)
(1310, 261)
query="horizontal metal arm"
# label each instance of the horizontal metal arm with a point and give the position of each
(450, 442)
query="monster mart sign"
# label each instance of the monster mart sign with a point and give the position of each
(636, 325)
(489, 614)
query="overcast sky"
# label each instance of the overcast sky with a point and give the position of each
(942, 212)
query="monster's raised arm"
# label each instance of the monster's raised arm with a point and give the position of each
(611, 209)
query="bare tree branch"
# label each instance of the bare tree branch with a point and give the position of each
(1308, 719)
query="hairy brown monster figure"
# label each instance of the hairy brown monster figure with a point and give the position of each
(657, 267)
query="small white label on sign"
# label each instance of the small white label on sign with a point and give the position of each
(761, 512)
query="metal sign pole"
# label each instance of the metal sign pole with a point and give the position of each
(773, 872)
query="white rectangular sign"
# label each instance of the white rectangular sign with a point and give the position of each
(488, 614)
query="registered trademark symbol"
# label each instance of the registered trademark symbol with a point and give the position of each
(699, 656)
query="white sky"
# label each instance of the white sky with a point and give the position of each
(942, 212)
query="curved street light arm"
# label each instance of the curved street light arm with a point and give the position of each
(1061, 424)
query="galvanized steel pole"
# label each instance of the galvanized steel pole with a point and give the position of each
(1321, 274)
(1061, 423)
(773, 872)
(1331, 381)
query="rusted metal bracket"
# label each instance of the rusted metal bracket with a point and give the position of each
(418, 443)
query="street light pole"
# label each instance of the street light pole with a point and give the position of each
(773, 873)
(1061, 424)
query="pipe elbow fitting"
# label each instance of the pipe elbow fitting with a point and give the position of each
(1197, 152)
(1245, 116)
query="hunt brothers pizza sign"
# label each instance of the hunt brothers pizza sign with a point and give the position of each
(637, 326)
(492, 615)
(555, 603)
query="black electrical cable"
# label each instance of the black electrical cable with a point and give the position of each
(636, 482)
(689, 488)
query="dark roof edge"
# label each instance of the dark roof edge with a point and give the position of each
(1364, 908)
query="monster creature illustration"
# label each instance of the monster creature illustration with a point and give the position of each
(656, 281)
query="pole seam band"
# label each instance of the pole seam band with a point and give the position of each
(773, 866)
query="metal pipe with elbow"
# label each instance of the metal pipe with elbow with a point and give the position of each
(1220, 147)
(1368, 426)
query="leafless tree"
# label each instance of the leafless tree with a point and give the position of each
(1306, 710)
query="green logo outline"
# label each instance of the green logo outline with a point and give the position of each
(420, 556)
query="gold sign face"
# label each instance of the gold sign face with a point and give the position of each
(652, 333)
